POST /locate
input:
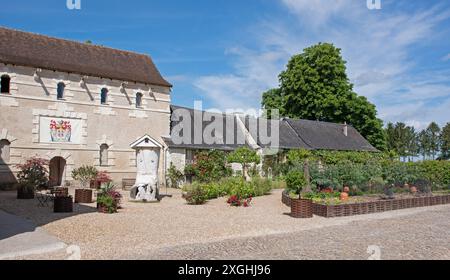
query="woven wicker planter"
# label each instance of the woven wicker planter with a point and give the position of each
(83, 196)
(302, 208)
(25, 193)
(61, 192)
(330, 211)
(63, 204)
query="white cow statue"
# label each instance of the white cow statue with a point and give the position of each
(146, 189)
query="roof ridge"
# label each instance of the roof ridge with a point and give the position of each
(74, 41)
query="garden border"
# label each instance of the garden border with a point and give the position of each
(343, 210)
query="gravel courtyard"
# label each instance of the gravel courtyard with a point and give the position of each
(174, 230)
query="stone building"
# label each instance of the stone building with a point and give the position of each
(77, 104)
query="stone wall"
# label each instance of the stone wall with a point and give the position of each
(117, 123)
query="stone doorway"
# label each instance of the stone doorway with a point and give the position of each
(57, 171)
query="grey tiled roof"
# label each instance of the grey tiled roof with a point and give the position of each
(28, 49)
(330, 136)
(230, 128)
(293, 134)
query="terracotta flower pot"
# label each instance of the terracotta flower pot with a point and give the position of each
(344, 196)
(413, 190)
(302, 208)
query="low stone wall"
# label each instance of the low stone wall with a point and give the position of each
(342, 210)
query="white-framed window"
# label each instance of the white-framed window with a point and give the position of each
(139, 100)
(5, 84)
(60, 90)
(104, 96)
(4, 151)
(104, 155)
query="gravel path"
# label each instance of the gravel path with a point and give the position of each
(425, 236)
(172, 229)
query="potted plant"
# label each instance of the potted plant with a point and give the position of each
(108, 200)
(84, 174)
(32, 174)
(101, 178)
(63, 204)
(301, 207)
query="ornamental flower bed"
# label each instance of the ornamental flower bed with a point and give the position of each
(236, 201)
(373, 205)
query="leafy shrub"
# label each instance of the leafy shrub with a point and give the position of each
(33, 173)
(295, 181)
(261, 186)
(209, 166)
(108, 198)
(174, 176)
(85, 174)
(195, 194)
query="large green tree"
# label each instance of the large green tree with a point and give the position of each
(445, 141)
(315, 86)
(433, 131)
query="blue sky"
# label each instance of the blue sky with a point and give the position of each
(227, 53)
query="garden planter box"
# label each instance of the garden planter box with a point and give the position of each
(330, 211)
(301, 208)
(286, 199)
(61, 192)
(63, 205)
(83, 196)
(103, 209)
(25, 194)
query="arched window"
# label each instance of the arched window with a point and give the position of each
(104, 96)
(4, 151)
(104, 155)
(5, 84)
(138, 100)
(60, 90)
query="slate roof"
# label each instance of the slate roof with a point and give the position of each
(293, 134)
(288, 139)
(329, 136)
(33, 50)
(229, 123)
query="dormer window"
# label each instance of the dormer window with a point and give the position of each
(60, 91)
(138, 100)
(5, 84)
(104, 96)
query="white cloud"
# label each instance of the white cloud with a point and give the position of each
(376, 44)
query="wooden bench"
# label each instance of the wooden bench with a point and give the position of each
(127, 184)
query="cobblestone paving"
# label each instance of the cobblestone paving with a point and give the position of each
(424, 236)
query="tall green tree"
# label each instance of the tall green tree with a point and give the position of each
(424, 144)
(315, 86)
(433, 132)
(445, 141)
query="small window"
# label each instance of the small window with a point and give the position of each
(104, 96)
(60, 90)
(104, 155)
(5, 84)
(4, 151)
(138, 100)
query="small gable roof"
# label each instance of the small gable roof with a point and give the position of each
(145, 142)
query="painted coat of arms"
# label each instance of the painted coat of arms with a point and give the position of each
(60, 131)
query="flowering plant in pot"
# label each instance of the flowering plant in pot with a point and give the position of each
(301, 207)
(108, 199)
(32, 174)
(102, 177)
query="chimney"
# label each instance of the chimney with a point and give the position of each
(345, 129)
